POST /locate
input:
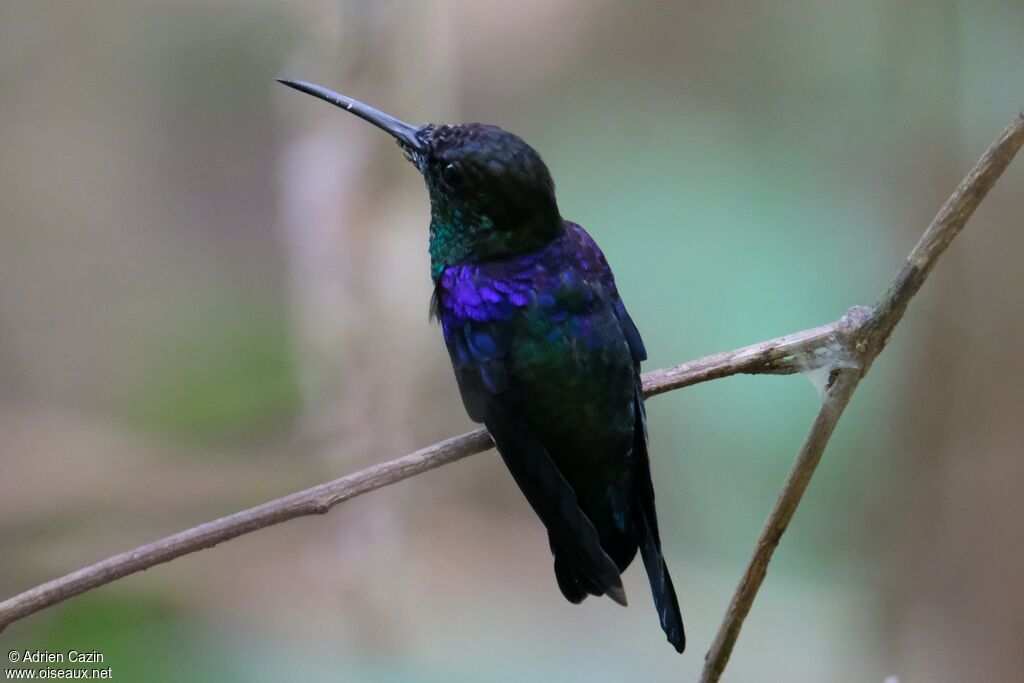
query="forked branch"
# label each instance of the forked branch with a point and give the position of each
(874, 335)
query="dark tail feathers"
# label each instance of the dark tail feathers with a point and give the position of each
(661, 584)
(574, 585)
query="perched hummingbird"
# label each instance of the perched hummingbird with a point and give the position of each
(544, 352)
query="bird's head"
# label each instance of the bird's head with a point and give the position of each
(491, 195)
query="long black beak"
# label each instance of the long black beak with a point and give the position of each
(402, 131)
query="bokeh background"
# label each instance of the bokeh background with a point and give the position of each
(213, 291)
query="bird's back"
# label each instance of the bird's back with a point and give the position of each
(554, 324)
(547, 357)
(577, 377)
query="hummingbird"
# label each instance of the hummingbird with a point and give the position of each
(544, 353)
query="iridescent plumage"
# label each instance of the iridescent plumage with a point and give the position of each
(543, 350)
(547, 357)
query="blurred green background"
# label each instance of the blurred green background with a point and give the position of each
(213, 291)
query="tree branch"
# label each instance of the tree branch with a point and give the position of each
(873, 335)
(792, 353)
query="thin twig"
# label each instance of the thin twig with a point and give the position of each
(778, 521)
(887, 313)
(792, 353)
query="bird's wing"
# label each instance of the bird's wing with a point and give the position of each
(636, 344)
(479, 347)
(554, 501)
(591, 259)
(648, 538)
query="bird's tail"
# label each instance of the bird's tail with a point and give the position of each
(661, 583)
(645, 525)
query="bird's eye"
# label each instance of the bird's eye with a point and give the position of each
(452, 175)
